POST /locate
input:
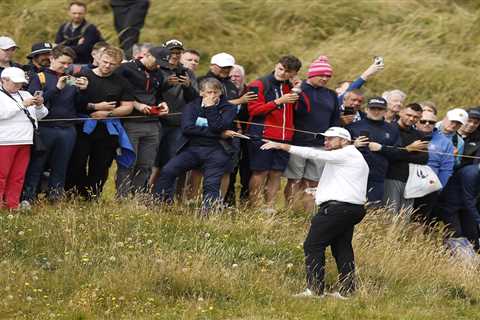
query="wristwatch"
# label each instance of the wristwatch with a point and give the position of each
(91, 106)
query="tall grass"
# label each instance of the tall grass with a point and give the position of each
(430, 47)
(127, 261)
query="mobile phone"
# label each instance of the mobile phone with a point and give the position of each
(254, 90)
(348, 111)
(365, 133)
(155, 110)
(378, 61)
(38, 93)
(180, 73)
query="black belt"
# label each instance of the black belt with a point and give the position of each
(330, 203)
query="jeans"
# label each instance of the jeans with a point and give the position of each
(211, 160)
(59, 142)
(332, 226)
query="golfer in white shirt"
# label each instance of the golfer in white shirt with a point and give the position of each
(341, 196)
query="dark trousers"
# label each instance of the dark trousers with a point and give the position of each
(332, 226)
(424, 207)
(211, 160)
(461, 224)
(129, 20)
(59, 142)
(91, 159)
(375, 191)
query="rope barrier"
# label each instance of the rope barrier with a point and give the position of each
(251, 123)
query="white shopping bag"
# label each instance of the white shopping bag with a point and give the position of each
(422, 180)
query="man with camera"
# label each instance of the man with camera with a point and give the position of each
(341, 196)
(61, 95)
(108, 95)
(272, 117)
(350, 110)
(317, 110)
(143, 132)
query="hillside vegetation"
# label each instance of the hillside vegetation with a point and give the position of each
(123, 260)
(431, 48)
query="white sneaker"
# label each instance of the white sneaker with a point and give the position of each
(337, 295)
(307, 294)
(25, 205)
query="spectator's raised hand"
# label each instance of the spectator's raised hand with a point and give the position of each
(371, 70)
(81, 83)
(345, 120)
(184, 80)
(62, 82)
(173, 80)
(249, 96)
(361, 142)
(100, 114)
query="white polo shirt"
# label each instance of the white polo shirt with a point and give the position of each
(344, 177)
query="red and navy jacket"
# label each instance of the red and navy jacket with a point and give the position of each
(275, 121)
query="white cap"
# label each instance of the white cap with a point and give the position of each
(223, 60)
(457, 114)
(15, 74)
(337, 132)
(7, 43)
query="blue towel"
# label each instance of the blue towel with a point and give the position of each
(126, 158)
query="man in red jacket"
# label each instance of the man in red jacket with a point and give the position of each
(272, 117)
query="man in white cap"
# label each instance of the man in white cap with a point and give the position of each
(449, 126)
(7, 50)
(341, 202)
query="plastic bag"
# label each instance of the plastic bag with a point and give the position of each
(422, 180)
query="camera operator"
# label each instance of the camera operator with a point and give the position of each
(341, 196)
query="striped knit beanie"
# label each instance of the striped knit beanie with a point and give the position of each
(320, 67)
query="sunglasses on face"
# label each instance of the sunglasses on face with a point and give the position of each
(430, 122)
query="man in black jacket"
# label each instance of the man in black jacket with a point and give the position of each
(374, 128)
(398, 170)
(144, 132)
(78, 34)
(207, 124)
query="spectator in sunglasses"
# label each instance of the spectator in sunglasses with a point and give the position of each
(440, 159)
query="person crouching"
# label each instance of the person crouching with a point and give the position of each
(207, 128)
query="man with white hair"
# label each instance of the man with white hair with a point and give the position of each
(395, 99)
(341, 200)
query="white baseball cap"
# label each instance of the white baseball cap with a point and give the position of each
(457, 114)
(15, 74)
(337, 132)
(223, 60)
(7, 43)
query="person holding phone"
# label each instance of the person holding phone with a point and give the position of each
(19, 114)
(144, 132)
(58, 136)
(273, 115)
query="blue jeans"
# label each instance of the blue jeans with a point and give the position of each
(59, 142)
(211, 160)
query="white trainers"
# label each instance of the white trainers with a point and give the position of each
(25, 205)
(336, 295)
(307, 294)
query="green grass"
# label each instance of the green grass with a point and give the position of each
(125, 261)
